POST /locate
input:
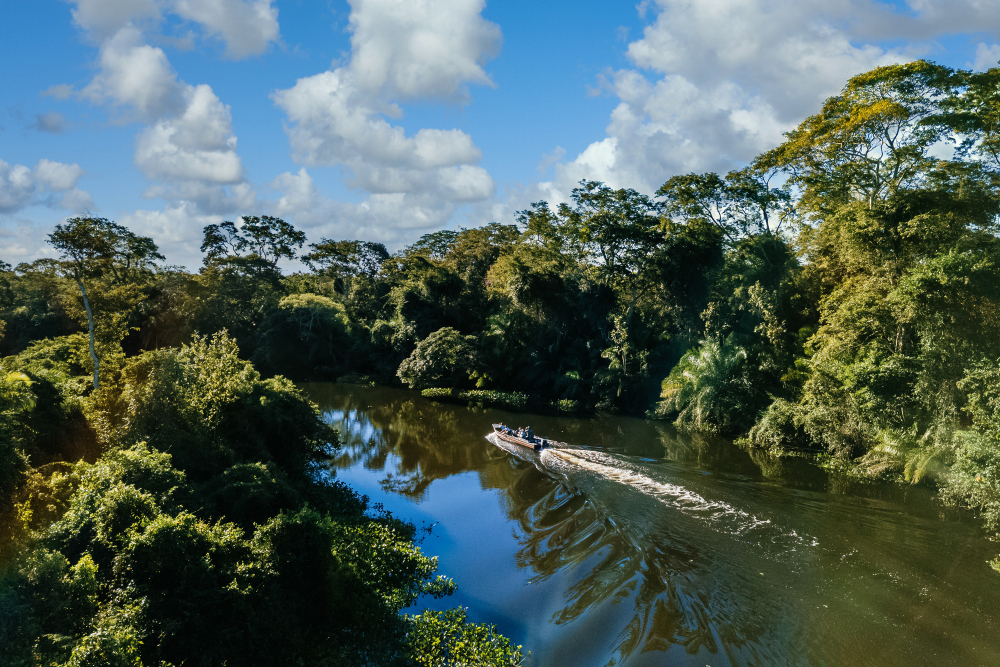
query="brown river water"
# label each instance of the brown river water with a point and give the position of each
(634, 545)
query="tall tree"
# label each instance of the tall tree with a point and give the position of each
(254, 246)
(93, 249)
(342, 260)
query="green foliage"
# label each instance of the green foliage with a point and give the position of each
(441, 638)
(36, 302)
(249, 493)
(779, 428)
(710, 389)
(443, 358)
(306, 336)
(253, 247)
(148, 563)
(210, 409)
(507, 400)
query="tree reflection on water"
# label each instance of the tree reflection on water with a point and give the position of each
(613, 539)
(639, 545)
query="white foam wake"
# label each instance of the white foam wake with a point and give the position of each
(721, 515)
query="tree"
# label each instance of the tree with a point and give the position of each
(742, 205)
(343, 260)
(870, 141)
(254, 246)
(445, 358)
(240, 282)
(92, 249)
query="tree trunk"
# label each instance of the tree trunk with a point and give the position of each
(90, 322)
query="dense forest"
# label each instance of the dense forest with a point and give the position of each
(838, 297)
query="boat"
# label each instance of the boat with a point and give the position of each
(508, 435)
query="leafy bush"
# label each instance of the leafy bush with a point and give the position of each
(444, 358)
(779, 428)
(306, 336)
(211, 553)
(210, 409)
(567, 406)
(711, 389)
(442, 638)
(490, 398)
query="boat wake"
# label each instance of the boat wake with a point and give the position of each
(720, 516)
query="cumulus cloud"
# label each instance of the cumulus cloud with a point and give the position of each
(247, 27)
(135, 75)
(50, 183)
(421, 48)
(400, 50)
(103, 18)
(17, 187)
(391, 218)
(187, 147)
(717, 82)
(987, 56)
(196, 145)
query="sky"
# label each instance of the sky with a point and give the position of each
(384, 120)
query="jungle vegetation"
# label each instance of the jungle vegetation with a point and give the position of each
(839, 296)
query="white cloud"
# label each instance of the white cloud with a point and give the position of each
(421, 48)
(391, 218)
(246, 27)
(17, 187)
(718, 81)
(197, 145)
(75, 200)
(187, 146)
(335, 123)
(104, 18)
(57, 176)
(208, 198)
(987, 56)
(400, 50)
(136, 75)
(50, 183)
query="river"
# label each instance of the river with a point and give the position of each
(634, 545)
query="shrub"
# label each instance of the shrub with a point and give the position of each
(306, 336)
(441, 638)
(779, 428)
(444, 358)
(490, 398)
(210, 409)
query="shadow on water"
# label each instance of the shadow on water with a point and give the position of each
(639, 546)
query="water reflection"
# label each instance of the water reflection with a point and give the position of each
(638, 546)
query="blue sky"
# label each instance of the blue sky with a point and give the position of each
(386, 119)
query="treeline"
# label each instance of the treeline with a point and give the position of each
(839, 295)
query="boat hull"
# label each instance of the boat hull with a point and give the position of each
(535, 445)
